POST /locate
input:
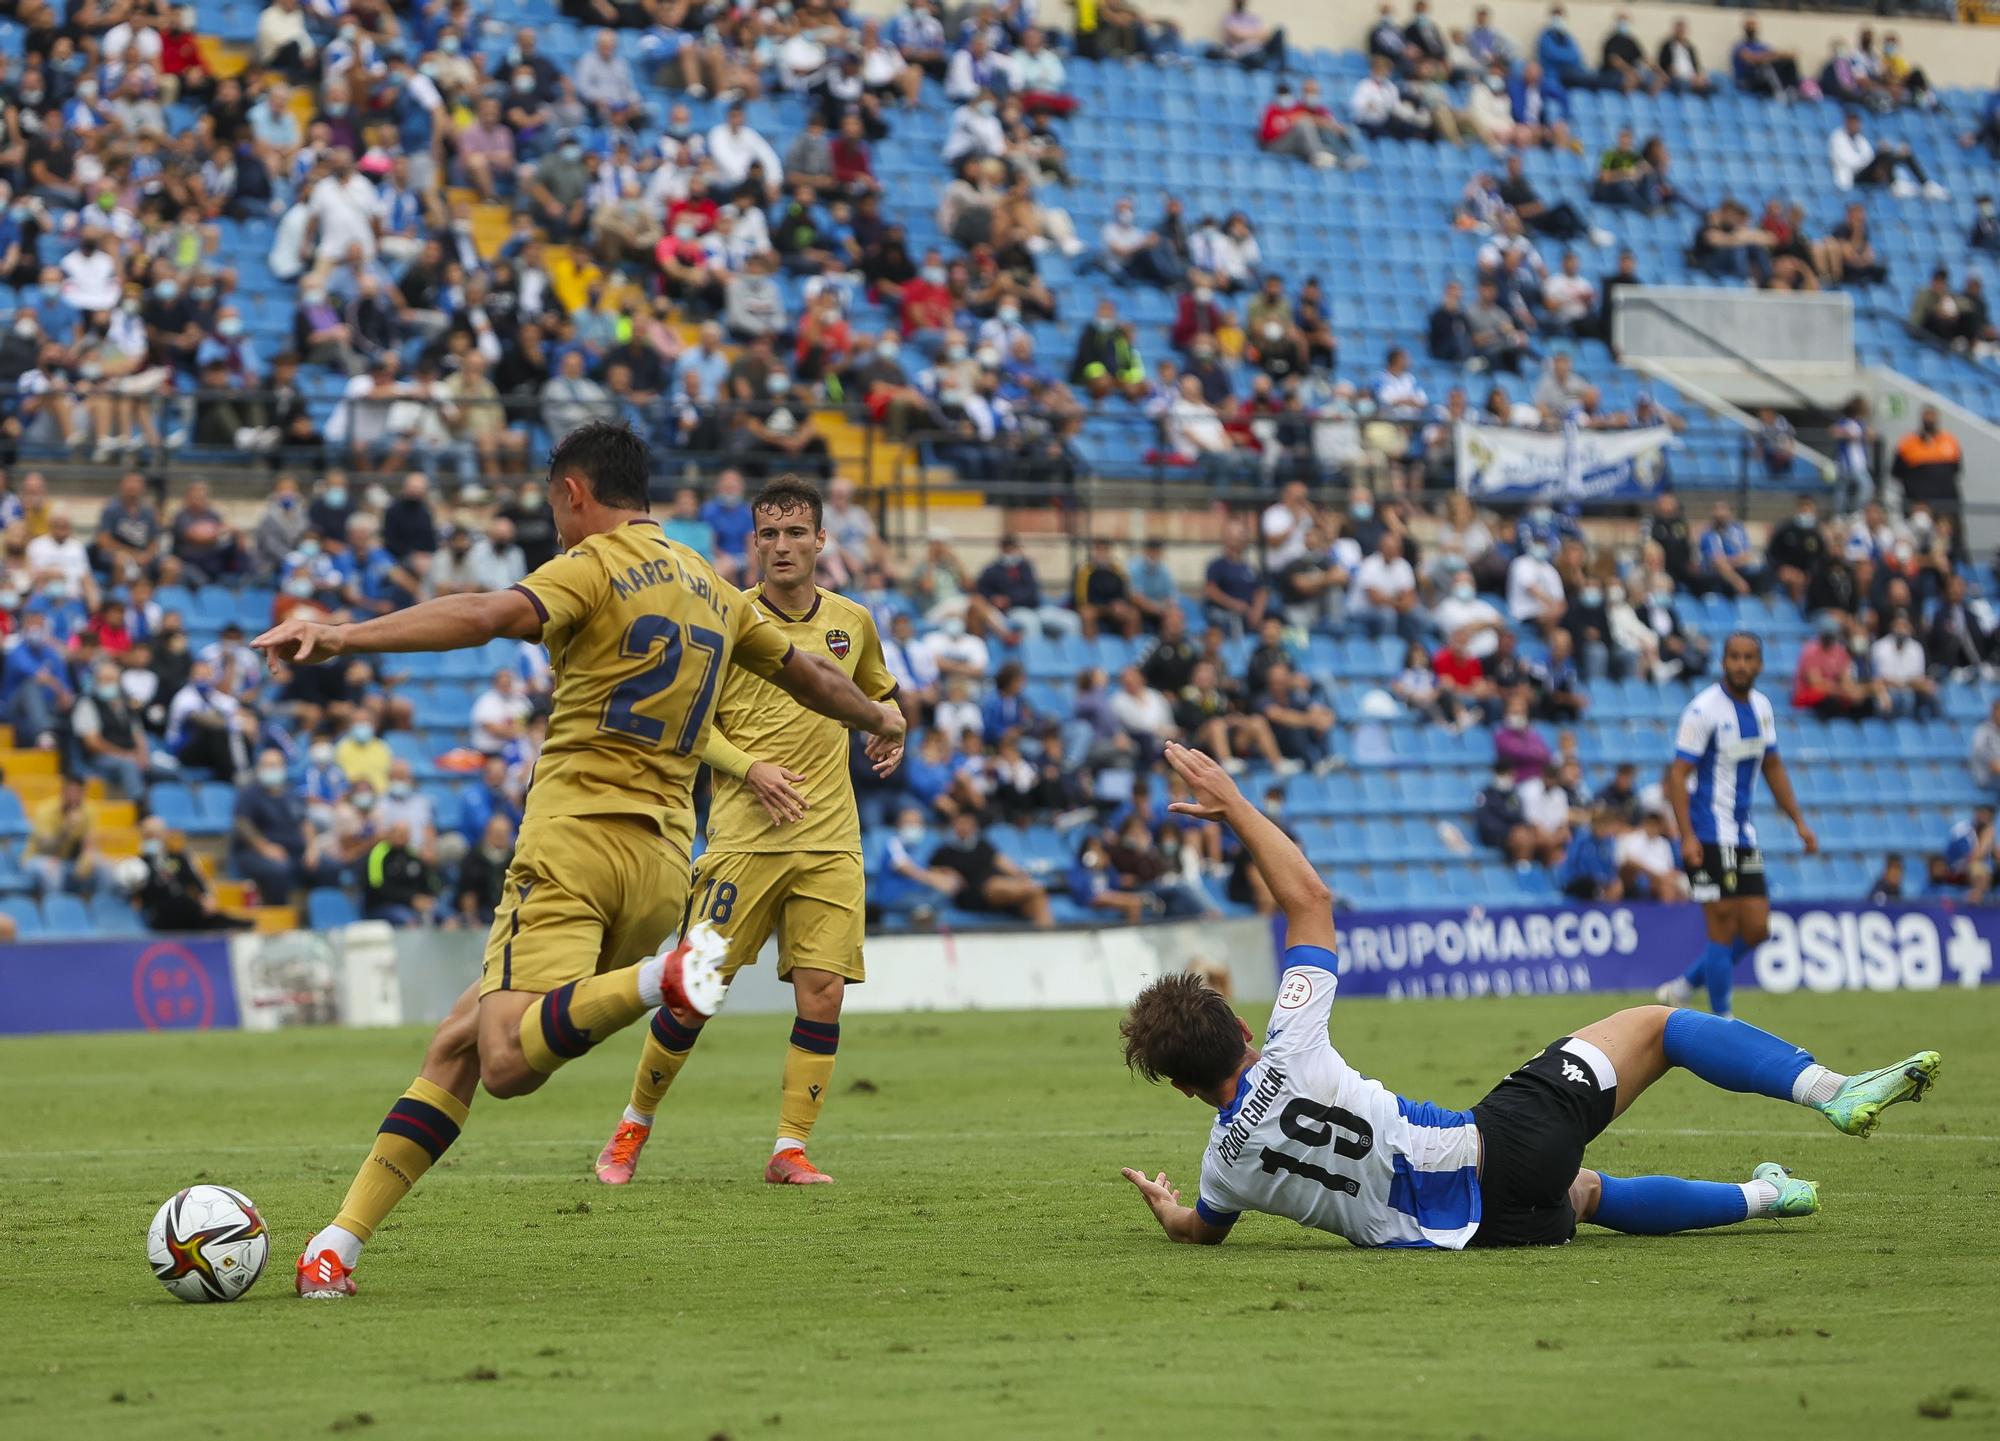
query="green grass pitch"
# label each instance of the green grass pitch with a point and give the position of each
(980, 1269)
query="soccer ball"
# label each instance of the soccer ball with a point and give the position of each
(208, 1244)
(130, 874)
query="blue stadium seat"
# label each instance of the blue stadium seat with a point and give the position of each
(174, 803)
(25, 914)
(13, 816)
(113, 916)
(65, 917)
(327, 908)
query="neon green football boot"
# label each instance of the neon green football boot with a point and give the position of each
(1795, 1198)
(1858, 1106)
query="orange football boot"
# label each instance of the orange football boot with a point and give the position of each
(792, 1167)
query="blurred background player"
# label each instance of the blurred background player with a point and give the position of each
(1301, 1134)
(638, 630)
(1727, 736)
(784, 839)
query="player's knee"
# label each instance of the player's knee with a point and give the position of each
(1648, 1024)
(508, 1077)
(1584, 1193)
(818, 994)
(455, 1039)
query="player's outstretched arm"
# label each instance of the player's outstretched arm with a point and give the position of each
(819, 685)
(1181, 1223)
(451, 622)
(1295, 885)
(1780, 781)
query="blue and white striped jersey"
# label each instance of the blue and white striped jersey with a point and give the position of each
(1725, 740)
(1310, 1138)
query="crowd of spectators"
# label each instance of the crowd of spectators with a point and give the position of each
(1506, 624)
(352, 120)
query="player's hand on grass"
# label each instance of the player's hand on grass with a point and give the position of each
(1214, 791)
(302, 642)
(776, 790)
(1159, 1192)
(1808, 839)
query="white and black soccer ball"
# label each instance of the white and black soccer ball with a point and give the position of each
(208, 1244)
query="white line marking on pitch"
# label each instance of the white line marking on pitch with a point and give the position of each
(194, 1153)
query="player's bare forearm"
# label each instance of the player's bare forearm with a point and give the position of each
(1677, 798)
(451, 622)
(819, 685)
(1294, 884)
(1781, 791)
(1780, 781)
(1183, 1225)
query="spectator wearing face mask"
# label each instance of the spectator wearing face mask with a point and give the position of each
(1825, 680)
(398, 885)
(1589, 870)
(1096, 885)
(1516, 745)
(279, 529)
(1534, 589)
(174, 896)
(204, 724)
(111, 737)
(1928, 462)
(1306, 129)
(1128, 252)
(1985, 233)
(1499, 821)
(482, 875)
(269, 839)
(363, 756)
(323, 784)
(1728, 564)
(1897, 660)
(975, 130)
(402, 804)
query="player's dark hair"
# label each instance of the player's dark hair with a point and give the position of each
(611, 458)
(1183, 1031)
(1749, 635)
(788, 493)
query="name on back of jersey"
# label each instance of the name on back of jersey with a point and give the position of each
(667, 571)
(1269, 1086)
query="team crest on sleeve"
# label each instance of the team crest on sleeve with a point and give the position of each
(839, 642)
(1296, 991)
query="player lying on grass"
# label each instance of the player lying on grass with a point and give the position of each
(640, 633)
(1299, 1133)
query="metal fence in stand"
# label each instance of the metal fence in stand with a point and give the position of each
(1114, 456)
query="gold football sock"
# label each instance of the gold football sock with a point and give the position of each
(668, 1045)
(417, 1130)
(808, 1073)
(570, 1020)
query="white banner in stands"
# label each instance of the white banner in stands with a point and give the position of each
(344, 977)
(1496, 463)
(1061, 970)
(368, 975)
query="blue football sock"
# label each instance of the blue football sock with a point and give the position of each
(1734, 1055)
(1718, 971)
(1661, 1205)
(1696, 974)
